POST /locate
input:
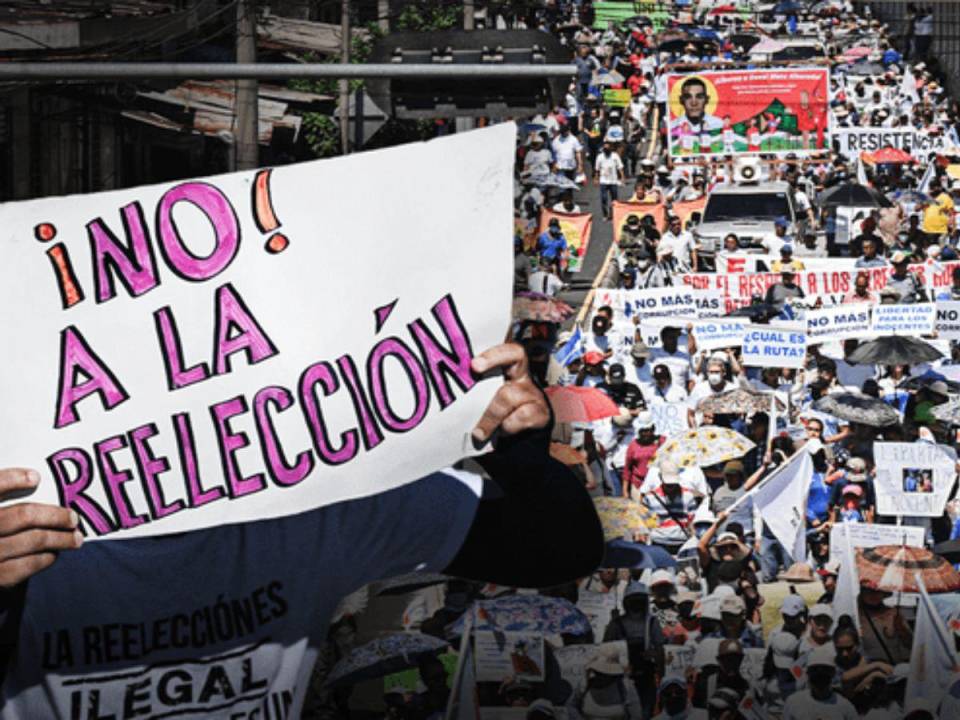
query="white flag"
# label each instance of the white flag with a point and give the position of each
(927, 178)
(782, 501)
(861, 173)
(933, 660)
(848, 584)
(908, 87)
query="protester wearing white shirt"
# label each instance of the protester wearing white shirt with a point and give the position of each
(682, 243)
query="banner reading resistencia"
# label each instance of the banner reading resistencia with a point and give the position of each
(733, 112)
(253, 345)
(919, 143)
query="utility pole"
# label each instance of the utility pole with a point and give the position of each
(466, 123)
(246, 147)
(383, 15)
(344, 83)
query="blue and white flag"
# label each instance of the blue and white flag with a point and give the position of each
(572, 349)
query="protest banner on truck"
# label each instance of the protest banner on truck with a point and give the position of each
(948, 319)
(765, 346)
(865, 535)
(913, 478)
(576, 229)
(853, 141)
(199, 353)
(915, 319)
(838, 323)
(743, 262)
(736, 112)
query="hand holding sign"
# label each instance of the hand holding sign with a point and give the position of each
(31, 534)
(518, 405)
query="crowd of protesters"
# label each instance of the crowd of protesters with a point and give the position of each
(818, 660)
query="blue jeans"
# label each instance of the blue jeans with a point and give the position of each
(772, 556)
(613, 481)
(608, 193)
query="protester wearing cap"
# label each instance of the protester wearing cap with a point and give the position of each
(593, 371)
(724, 562)
(735, 488)
(639, 454)
(674, 506)
(733, 615)
(664, 389)
(681, 243)
(552, 243)
(854, 473)
(674, 701)
(787, 260)
(819, 629)
(625, 394)
(607, 692)
(541, 709)
(663, 587)
(819, 699)
(828, 576)
(784, 291)
(644, 638)
(640, 372)
(675, 357)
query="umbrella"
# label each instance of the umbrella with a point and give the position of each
(767, 46)
(892, 156)
(865, 68)
(572, 403)
(542, 179)
(738, 401)
(744, 40)
(636, 556)
(567, 454)
(383, 656)
(759, 311)
(852, 194)
(705, 446)
(948, 550)
(894, 350)
(623, 518)
(859, 408)
(525, 613)
(855, 53)
(891, 568)
(409, 582)
(540, 308)
(723, 10)
(787, 7)
(948, 412)
(926, 380)
(607, 77)
(705, 34)
(910, 196)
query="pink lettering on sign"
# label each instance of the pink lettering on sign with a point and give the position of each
(223, 219)
(78, 361)
(133, 264)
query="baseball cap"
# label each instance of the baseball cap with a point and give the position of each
(781, 222)
(673, 681)
(821, 610)
(635, 588)
(823, 656)
(710, 609)
(660, 370)
(733, 467)
(793, 605)
(661, 576)
(554, 222)
(727, 537)
(669, 473)
(784, 647)
(787, 249)
(898, 257)
(617, 371)
(733, 605)
(644, 421)
(831, 568)
(541, 708)
(640, 350)
(852, 490)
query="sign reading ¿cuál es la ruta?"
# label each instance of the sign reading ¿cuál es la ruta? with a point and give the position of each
(255, 344)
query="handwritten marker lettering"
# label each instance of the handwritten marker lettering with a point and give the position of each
(264, 214)
(70, 291)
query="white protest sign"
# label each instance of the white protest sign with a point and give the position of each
(765, 346)
(865, 535)
(669, 418)
(913, 478)
(573, 659)
(853, 141)
(504, 655)
(916, 319)
(673, 302)
(717, 334)
(948, 319)
(677, 659)
(849, 221)
(317, 380)
(838, 323)
(598, 607)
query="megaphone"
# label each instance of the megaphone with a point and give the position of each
(747, 170)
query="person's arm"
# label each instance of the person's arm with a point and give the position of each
(691, 340)
(752, 481)
(630, 462)
(703, 547)
(513, 539)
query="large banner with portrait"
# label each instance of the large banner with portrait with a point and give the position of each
(737, 112)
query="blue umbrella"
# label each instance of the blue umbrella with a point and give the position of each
(384, 656)
(525, 613)
(705, 34)
(910, 196)
(787, 7)
(636, 556)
